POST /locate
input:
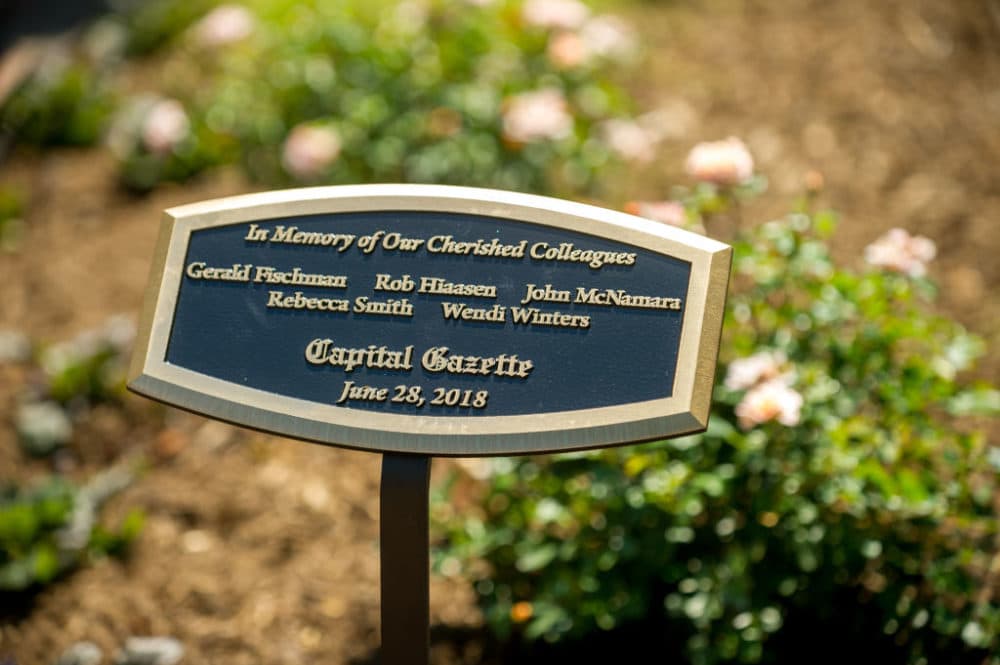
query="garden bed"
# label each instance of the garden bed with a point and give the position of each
(263, 550)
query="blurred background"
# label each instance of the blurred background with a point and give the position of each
(843, 505)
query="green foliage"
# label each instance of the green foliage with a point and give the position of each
(152, 25)
(413, 92)
(870, 512)
(421, 91)
(47, 530)
(64, 103)
(79, 373)
(91, 367)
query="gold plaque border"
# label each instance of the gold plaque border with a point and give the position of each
(686, 411)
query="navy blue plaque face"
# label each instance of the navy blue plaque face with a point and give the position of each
(433, 320)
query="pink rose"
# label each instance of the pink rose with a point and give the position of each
(536, 116)
(609, 37)
(666, 212)
(309, 150)
(772, 400)
(630, 140)
(600, 37)
(725, 162)
(165, 126)
(565, 14)
(224, 24)
(747, 372)
(566, 50)
(898, 251)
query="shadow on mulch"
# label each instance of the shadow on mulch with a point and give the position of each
(476, 646)
(820, 637)
(15, 605)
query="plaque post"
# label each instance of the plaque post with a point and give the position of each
(404, 559)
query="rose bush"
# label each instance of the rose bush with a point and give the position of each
(420, 91)
(514, 94)
(66, 102)
(834, 500)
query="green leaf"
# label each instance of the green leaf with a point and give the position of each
(910, 486)
(537, 558)
(132, 525)
(45, 563)
(547, 617)
(721, 428)
(18, 526)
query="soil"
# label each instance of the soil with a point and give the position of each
(263, 550)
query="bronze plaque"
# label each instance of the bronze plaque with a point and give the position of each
(433, 320)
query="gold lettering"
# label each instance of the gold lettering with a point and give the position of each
(278, 300)
(438, 286)
(391, 307)
(455, 311)
(493, 248)
(547, 294)
(621, 298)
(323, 352)
(352, 391)
(295, 277)
(440, 359)
(238, 272)
(292, 236)
(568, 252)
(395, 240)
(384, 282)
(531, 316)
(256, 234)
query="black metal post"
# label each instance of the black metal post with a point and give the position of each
(404, 559)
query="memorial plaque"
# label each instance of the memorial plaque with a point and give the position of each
(433, 320)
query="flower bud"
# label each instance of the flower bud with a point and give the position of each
(309, 150)
(165, 126)
(725, 162)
